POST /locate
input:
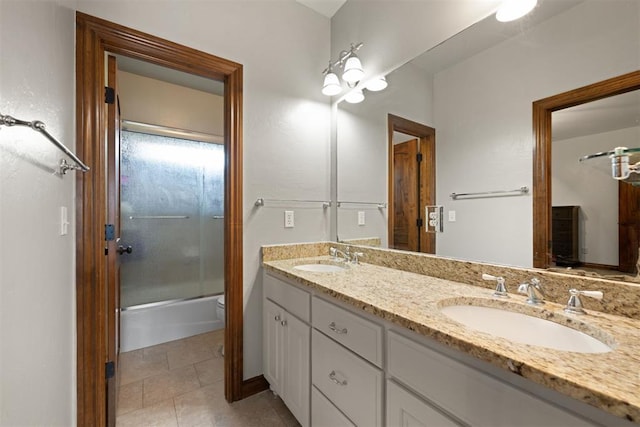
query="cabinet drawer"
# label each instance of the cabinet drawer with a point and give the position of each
(405, 409)
(353, 385)
(324, 414)
(472, 396)
(294, 300)
(354, 332)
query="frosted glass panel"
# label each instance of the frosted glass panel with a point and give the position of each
(172, 210)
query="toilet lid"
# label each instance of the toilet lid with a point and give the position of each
(221, 301)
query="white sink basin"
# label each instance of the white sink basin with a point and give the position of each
(524, 329)
(321, 268)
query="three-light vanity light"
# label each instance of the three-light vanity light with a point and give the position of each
(352, 74)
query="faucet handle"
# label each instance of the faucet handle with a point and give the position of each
(574, 305)
(593, 294)
(355, 257)
(501, 289)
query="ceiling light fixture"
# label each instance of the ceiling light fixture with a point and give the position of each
(510, 10)
(352, 71)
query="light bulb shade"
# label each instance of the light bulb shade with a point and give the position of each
(353, 71)
(354, 97)
(331, 85)
(510, 10)
(377, 84)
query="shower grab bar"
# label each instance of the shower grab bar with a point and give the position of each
(518, 191)
(39, 126)
(159, 217)
(379, 205)
(260, 201)
(218, 217)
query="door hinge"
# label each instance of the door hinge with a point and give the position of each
(109, 95)
(109, 232)
(419, 157)
(419, 222)
(109, 370)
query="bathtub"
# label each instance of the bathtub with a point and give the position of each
(149, 325)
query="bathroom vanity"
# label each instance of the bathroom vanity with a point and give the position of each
(369, 345)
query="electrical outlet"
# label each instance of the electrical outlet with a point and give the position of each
(452, 216)
(585, 251)
(288, 219)
(360, 217)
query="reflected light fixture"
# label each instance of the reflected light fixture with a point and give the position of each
(352, 71)
(354, 97)
(376, 85)
(620, 167)
(510, 10)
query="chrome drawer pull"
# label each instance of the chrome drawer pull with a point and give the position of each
(277, 318)
(333, 327)
(283, 323)
(332, 377)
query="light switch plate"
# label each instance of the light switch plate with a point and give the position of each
(452, 216)
(361, 218)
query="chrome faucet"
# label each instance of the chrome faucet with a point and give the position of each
(355, 256)
(533, 289)
(574, 305)
(501, 289)
(335, 253)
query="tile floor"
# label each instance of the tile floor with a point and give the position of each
(181, 383)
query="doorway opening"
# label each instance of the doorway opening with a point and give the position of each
(412, 184)
(97, 248)
(628, 195)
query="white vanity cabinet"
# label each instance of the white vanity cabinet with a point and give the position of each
(346, 362)
(335, 365)
(464, 393)
(286, 337)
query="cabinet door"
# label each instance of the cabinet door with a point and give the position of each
(296, 377)
(406, 410)
(273, 345)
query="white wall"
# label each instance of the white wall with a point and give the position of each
(283, 47)
(151, 101)
(482, 112)
(590, 186)
(37, 293)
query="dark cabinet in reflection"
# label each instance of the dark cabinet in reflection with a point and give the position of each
(564, 235)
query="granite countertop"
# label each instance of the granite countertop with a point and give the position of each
(609, 381)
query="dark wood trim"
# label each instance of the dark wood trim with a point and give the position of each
(542, 110)
(427, 140)
(94, 37)
(254, 385)
(599, 266)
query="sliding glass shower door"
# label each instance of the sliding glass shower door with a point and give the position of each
(172, 211)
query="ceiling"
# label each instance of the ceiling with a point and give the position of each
(170, 75)
(327, 8)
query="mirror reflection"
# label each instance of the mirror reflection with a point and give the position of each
(476, 91)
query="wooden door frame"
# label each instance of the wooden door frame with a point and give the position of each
(427, 140)
(542, 110)
(94, 37)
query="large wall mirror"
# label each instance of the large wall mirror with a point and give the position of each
(476, 90)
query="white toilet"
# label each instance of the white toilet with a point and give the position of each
(220, 309)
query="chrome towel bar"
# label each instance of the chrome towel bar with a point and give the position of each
(40, 127)
(500, 193)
